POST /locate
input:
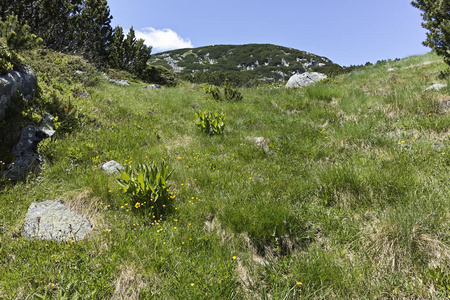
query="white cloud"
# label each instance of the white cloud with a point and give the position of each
(162, 40)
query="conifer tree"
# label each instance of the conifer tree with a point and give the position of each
(72, 26)
(13, 39)
(94, 30)
(436, 16)
(128, 53)
(115, 49)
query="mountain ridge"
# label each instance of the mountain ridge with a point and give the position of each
(262, 61)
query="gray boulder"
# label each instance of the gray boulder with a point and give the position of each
(153, 86)
(121, 82)
(305, 79)
(24, 80)
(27, 159)
(111, 167)
(52, 220)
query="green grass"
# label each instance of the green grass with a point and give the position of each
(348, 197)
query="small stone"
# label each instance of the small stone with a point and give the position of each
(260, 142)
(436, 87)
(46, 125)
(84, 94)
(112, 167)
(446, 105)
(392, 69)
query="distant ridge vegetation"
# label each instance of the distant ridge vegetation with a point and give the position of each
(251, 61)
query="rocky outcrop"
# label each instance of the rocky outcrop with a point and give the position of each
(52, 220)
(24, 81)
(305, 79)
(25, 151)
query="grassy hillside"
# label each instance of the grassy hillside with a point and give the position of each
(347, 199)
(253, 61)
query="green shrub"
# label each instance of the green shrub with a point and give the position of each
(229, 94)
(214, 91)
(47, 148)
(148, 188)
(5, 65)
(158, 75)
(120, 74)
(210, 122)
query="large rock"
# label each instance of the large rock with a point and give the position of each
(52, 220)
(27, 159)
(25, 151)
(24, 80)
(305, 79)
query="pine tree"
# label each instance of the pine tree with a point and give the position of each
(436, 16)
(94, 31)
(13, 39)
(72, 26)
(127, 53)
(115, 49)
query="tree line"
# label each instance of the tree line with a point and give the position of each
(81, 27)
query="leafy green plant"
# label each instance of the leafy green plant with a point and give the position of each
(159, 75)
(211, 122)
(214, 91)
(147, 185)
(47, 148)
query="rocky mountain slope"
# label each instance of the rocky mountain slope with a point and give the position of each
(263, 61)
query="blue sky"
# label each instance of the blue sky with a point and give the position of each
(348, 32)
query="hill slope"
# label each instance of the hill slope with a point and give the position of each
(339, 190)
(263, 61)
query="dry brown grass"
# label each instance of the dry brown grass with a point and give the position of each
(382, 241)
(213, 225)
(129, 283)
(393, 250)
(184, 140)
(436, 251)
(85, 203)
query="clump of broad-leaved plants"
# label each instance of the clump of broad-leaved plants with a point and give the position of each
(210, 122)
(148, 188)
